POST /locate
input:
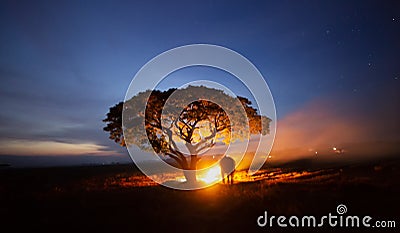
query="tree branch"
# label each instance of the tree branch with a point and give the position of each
(177, 159)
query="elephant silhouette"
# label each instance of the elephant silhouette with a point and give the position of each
(227, 165)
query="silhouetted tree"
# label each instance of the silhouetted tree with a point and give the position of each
(198, 125)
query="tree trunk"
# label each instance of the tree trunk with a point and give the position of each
(190, 173)
(190, 176)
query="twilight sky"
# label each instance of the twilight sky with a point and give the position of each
(64, 63)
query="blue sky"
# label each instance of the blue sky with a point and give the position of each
(64, 63)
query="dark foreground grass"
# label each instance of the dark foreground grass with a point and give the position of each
(79, 199)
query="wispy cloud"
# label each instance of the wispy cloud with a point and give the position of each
(52, 148)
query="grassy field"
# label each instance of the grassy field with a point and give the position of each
(119, 198)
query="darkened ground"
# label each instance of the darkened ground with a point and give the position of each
(96, 199)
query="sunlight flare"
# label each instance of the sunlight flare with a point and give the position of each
(212, 175)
